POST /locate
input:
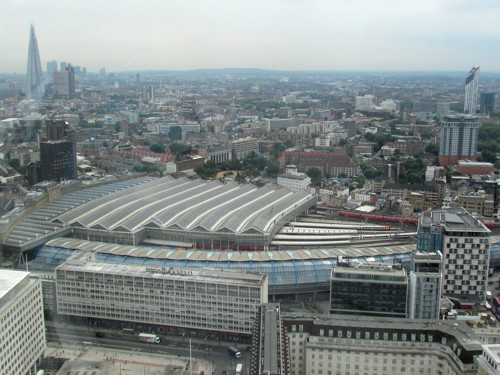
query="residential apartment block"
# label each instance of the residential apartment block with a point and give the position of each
(464, 242)
(22, 328)
(209, 300)
(243, 147)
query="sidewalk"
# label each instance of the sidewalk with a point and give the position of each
(131, 362)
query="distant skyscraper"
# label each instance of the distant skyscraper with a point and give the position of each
(34, 76)
(63, 66)
(458, 139)
(471, 91)
(487, 102)
(64, 82)
(51, 67)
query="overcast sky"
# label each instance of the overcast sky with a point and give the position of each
(268, 34)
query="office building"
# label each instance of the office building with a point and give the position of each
(442, 108)
(175, 133)
(186, 128)
(465, 245)
(51, 67)
(64, 64)
(64, 82)
(22, 328)
(343, 344)
(282, 123)
(269, 342)
(458, 139)
(372, 289)
(330, 163)
(425, 285)
(243, 147)
(294, 181)
(35, 87)
(364, 103)
(207, 299)
(471, 91)
(58, 152)
(487, 103)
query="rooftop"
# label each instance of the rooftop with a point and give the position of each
(83, 261)
(453, 219)
(9, 280)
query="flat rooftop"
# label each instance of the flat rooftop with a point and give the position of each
(85, 262)
(463, 333)
(9, 280)
(452, 219)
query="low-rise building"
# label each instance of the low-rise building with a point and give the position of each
(470, 167)
(478, 202)
(295, 181)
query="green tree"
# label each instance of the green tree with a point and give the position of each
(432, 148)
(315, 174)
(158, 148)
(272, 170)
(180, 149)
(489, 156)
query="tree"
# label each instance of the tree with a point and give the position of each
(180, 149)
(315, 174)
(489, 156)
(289, 143)
(432, 148)
(272, 170)
(158, 148)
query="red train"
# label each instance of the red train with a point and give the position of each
(378, 217)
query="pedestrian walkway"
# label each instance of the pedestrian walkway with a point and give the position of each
(131, 362)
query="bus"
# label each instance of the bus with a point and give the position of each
(234, 352)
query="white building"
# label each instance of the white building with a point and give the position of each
(465, 245)
(186, 128)
(322, 142)
(342, 344)
(295, 181)
(389, 105)
(489, 362)
(22, 328)
(363, 103)
(208, 299)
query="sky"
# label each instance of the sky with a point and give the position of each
(123, 35)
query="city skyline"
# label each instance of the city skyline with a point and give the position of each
(278, 35)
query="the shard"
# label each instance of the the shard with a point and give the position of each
(35, 87)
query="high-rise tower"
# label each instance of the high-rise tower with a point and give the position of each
(34, 77)
(458, 139)
(471, 91)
